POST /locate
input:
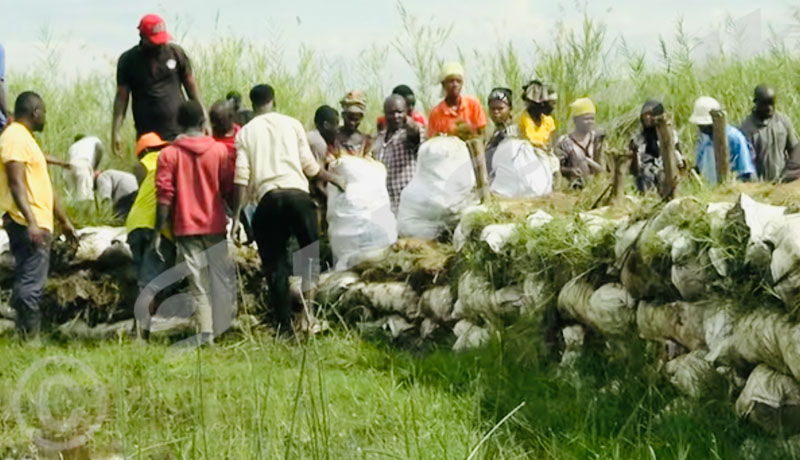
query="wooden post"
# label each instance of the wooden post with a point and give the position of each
(666, 140)
(722, 156)
(618, 180)
(477, 152)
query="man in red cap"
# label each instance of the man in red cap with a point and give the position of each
(152, 74)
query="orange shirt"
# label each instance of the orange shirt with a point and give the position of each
(443, 119)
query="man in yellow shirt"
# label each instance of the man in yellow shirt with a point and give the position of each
(536, 124)
(28, 205)
(141, 221)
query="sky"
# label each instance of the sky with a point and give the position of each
(89, 35)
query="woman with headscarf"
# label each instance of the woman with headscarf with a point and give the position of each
(500, 112)
(645, 149)
(457, 112)
(350, 139)
(536, 123)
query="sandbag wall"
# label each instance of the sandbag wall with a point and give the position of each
(716, 285)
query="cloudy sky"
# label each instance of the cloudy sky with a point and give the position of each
(90, 34)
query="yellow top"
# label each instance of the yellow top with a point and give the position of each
(539, 135)
(18, 144)
(143, 211)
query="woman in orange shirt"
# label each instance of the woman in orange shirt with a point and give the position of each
(457, 111)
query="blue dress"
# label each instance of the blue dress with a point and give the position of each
(741, 156)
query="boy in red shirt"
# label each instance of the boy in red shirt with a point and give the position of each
(193, 175)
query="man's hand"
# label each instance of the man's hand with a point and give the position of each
(338, 181)
(234, 234)
(36, 235)
(69, 232)
(157, 245)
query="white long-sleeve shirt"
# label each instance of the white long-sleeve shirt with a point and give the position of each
(272, 152)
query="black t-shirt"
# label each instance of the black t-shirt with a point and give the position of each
(155, 81)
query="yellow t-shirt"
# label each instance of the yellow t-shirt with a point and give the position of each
(18, 144)
(537, 135)
(143, 210)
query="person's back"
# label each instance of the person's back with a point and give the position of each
(84, 157)
(143, 211)
(272, 152)
(201, 172)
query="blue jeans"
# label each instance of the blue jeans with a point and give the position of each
(145, 260)
(30, 274)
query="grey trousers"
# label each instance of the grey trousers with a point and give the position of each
(212, 280)
(30, 273)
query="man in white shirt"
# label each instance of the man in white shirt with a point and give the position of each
(84, 158)
(273, 158)
(118, 187)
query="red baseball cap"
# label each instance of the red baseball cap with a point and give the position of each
(153, 27)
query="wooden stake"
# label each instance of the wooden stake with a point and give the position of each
(618, 180)
(477, 152)
(666, 140)
(722, 156)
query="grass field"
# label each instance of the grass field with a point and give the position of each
(339, 396)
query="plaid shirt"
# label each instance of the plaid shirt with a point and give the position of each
(399, 154)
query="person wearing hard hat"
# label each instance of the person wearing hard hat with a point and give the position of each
(536, 123)
(141, 219)
(705, 163)
(153, 75)
(457, 111)
(579, 152)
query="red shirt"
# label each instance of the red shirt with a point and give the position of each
(192, 175)
(443, 119)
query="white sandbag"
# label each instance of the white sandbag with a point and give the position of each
(763, 220)
(427, 328)
(609, 309)
(537, 296)
(388, 297)
(78, 329)
(716, 214)
(396, 325)
(466, 225)
(785, 263)
(718, 334)
(678, 321)
(360, 218)
(789, 343)
(477, 298)
(770, 400)
(521, 170)
(756, 339)
(595, 223)
(626, 237)
(441, 188)
(469, 336)
(693, 277)
(538, 219)
(691, 374)
(6, 326)
(497, 235)
(574, 337)
(332, 285)
(93, 241)
(437, 303)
